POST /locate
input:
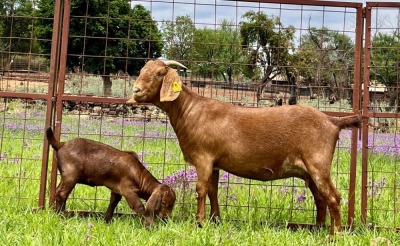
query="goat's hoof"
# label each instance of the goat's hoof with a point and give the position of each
(334, 237)
(215, 220)
(199, 224)
(148, 224)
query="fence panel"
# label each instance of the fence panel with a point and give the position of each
(101, 64)
(26, 90)
(75, 70)
(381, 145)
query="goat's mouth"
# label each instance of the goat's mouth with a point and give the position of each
(139, 96)
(164, 217)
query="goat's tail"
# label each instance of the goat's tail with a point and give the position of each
(347, 122)
(52, 140)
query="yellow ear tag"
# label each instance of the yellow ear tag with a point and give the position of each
(176, 86)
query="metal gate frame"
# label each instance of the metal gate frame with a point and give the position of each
(56, 96)
(366, 113)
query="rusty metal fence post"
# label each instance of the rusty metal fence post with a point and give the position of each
(54, 68)
(60, 80)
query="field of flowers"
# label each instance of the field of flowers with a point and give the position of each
(21, 147)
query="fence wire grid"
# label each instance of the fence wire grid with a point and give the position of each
(72, 64)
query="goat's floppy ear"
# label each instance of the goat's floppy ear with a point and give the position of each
(153, 207)
(171, 86)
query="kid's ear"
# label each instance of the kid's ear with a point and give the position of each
(153, 207)
(171, 86)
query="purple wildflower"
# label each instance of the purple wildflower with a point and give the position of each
(301, 198)
(377, 187)
(284, 190)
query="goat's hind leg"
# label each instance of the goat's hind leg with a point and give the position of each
(328, 192)
(114, 200)
(320, 204)
(62, 192)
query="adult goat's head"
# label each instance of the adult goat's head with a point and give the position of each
(157, 82)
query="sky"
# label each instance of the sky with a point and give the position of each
(208, 13)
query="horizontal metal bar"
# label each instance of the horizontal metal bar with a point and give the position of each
(308, 2)
(24, 95)
(383, 115)
(383, 4)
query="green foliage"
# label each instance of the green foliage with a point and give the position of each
(17, 26)
(385, 58)
(244, 203)
(204, 52)
(325, 58)
(217, 52)
(266, 44)
(26, 227)
(108, 39)
(178, 38)
(212, 53)
(92, 85)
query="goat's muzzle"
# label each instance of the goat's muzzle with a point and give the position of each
(132, 99)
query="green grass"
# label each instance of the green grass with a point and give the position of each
(244, 203)
(24, 227)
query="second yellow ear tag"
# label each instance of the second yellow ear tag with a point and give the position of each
(176, 86)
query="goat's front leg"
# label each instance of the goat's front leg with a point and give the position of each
(203, 182)
(134, 201)
(114, 200)
(213, 196)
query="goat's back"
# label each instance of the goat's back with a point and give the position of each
(265, 128)
(96, 162)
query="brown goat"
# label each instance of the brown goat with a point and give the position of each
(93, 163)
(255, 143)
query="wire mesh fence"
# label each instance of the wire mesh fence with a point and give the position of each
(75, 65)
(380, 164)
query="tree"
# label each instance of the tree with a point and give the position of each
(118, 38)
(178, 38)
(266, 44)
(218, 51)
(385, 58)
(385, 64)
(325, 58)
(228, 50)
(16, 28)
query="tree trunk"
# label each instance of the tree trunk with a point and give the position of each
(107, 85)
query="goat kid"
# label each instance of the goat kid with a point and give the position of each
(255, 143)
(93, 163)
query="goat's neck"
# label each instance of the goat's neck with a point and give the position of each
(147, 184)
(180, 108)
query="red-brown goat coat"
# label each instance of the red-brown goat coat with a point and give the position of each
(93, 163)
(255, 143)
